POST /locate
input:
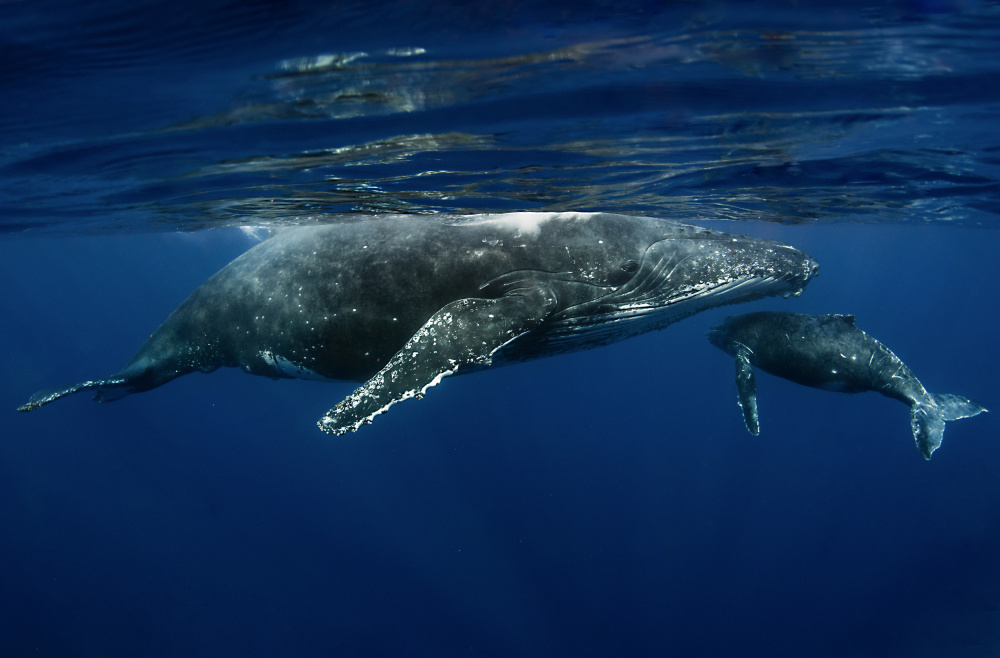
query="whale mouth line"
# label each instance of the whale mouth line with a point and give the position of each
(578, 328)
(717, 294)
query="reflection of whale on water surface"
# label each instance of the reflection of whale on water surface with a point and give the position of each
(402, 301)
(829, 352)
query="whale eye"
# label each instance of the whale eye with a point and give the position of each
(630, 266)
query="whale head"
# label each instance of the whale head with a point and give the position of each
(678, 277)
(661, 272)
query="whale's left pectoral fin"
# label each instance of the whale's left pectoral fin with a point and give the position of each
(465, 333)
(746, 387)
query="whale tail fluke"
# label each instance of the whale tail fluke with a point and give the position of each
(927, 418)
(108, 389)
(956, 407)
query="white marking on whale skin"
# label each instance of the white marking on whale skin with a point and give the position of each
(529, 223)
(288, 368)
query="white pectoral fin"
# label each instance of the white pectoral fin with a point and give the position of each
(746, 388)
(464, 333)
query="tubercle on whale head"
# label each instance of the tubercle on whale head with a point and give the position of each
(787, 268)
(810, 272)
(813, 266)
(801, 268)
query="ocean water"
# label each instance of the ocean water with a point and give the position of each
(602, 503)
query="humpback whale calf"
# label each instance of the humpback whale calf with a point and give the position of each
(401, 301)
(830, 352)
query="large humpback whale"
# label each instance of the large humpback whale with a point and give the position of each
(399, 302)
(830, 352)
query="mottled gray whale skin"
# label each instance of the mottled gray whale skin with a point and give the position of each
(399, 301)
(830, 352)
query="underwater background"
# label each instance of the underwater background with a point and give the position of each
(602, 503)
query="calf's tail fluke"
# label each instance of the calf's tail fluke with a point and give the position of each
(927, 418)
(107, 389)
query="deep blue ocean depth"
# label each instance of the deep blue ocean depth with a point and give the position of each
(602, 503)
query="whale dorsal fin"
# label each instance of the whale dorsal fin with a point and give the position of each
(463, 334)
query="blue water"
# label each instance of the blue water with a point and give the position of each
(602, 503)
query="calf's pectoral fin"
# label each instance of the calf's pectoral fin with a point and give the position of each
(463, 334)
(746, 388)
